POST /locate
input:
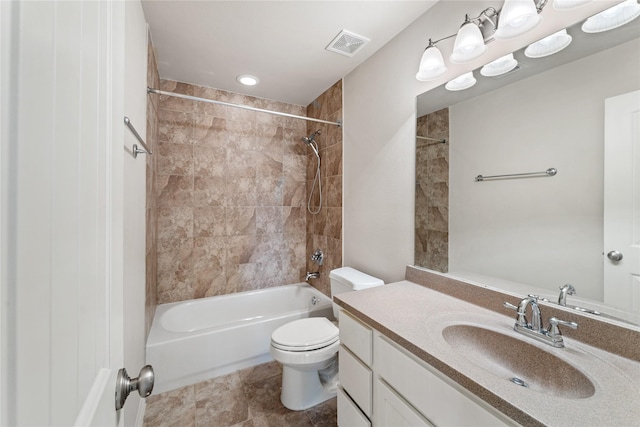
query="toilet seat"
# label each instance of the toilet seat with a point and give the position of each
(305, 334)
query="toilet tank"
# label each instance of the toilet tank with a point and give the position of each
(347, 279)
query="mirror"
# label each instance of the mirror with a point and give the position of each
(529, 234)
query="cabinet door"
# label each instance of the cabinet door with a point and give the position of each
(394, 411)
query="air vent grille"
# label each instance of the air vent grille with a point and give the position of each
(347, 43)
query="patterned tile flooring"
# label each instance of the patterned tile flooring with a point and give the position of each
(246, 398)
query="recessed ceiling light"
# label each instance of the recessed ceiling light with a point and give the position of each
(248, 80)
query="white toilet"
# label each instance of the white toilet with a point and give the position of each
(308, 348)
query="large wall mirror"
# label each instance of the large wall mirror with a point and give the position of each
(538, 232)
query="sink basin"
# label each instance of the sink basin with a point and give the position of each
(515, 360)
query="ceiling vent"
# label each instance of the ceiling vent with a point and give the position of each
(347, 43)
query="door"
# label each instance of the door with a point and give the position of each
(62, 221)
(622, 202)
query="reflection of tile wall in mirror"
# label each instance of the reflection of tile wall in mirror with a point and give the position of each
(432, 192)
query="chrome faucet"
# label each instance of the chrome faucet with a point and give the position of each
(313, 275)
(570, 290)
(564, 291)
(551, 336)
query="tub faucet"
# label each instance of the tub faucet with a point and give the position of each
(564, 291)
(313, 275)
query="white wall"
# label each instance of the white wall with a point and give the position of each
(135, 107)
(542, 232)
(379, 129)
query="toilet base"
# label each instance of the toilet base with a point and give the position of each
(302, 389)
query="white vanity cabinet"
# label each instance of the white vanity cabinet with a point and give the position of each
(355, 394)
(382, 384)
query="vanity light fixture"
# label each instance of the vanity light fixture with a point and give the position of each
(469, 43)
(614, 17)
(548, 45)
(568, 4)
(247, 80)
(431, 64)
(518, 17)
(463, 82)
(500, 66)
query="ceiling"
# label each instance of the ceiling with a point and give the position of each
(210, 43)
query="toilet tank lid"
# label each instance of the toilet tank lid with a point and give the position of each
(357, 279)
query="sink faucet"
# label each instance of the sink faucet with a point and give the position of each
(551, 336)
(564, 291)
(313, 275)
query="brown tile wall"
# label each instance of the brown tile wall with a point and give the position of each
(151, 300)
(432, 192)
(324, 230)
(231, 195)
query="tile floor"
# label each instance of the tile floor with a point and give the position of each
(246, 398)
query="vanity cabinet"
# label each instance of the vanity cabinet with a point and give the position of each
(355, 393)
(383, 384)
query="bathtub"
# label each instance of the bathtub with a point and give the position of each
(192, 341)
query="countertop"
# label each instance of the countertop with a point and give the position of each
(414, 316)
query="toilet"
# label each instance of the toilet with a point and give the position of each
(308, 348)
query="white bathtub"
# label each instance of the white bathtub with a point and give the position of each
(192, 341)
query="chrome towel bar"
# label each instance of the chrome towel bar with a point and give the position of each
(548, 172)
(136, 150)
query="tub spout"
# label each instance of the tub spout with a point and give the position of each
(313, 275)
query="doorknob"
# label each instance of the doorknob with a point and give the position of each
(125, 385)
(615, 256)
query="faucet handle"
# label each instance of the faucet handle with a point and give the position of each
(520, 319)
(554, 333)
(554, 322)
(509, 305)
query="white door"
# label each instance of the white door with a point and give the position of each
(622, 202)
(62, 196)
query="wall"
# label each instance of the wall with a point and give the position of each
(432, 192)
(324, 230)
(547, 232)
(231, 195)
(379, 129)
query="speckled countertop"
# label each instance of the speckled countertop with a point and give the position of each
(414, 316)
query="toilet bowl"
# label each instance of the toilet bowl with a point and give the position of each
(308, 348)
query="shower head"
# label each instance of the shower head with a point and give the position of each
(311, 138)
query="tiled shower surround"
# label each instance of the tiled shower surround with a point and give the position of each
(231, 194)
(151, 209)
(432, 192)
(324, 230)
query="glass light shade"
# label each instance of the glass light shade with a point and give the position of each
(614, 17)
(500, 66)
(516, 18)
(463, 82)
(431, 65)
(548, 45)
(469, 44)
(568, 4)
